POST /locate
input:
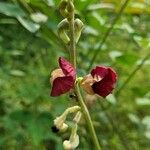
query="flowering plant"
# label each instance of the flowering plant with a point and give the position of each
(101, 80)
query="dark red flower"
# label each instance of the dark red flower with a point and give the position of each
(63, 79)
(101, 81)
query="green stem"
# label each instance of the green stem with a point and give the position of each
(87, 117)
(72, 39)
(107, 34)
(77, 90)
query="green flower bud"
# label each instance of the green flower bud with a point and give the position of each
(63, 27)
(63, 8)
(78, 25)
(70, 9)
(70, 6)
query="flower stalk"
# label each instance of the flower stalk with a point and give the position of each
(77, 89)
(87, 117)
(72, 35)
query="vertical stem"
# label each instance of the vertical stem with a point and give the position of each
(77, 90)
(87, 118)
(72, 38)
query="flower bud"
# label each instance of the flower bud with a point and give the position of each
(77, 117)
(64, 127)
(78, 25)
(59, 125)
(70, 6)
(73, 141)
(62, 8)
(68, 145)
(73, 109)
(63, 26)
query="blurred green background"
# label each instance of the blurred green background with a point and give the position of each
(29, 49)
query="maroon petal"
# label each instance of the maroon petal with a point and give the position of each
(112, 75)
(103, 88)
(62, 85)
(67, 67)
(99, 71)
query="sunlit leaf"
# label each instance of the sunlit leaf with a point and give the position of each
(114, 54)
(90, 30)
(39, 17)
(134, 118)
(143, 101)
(17, 73)
(101, 6)
(111, 99)
(29, 25)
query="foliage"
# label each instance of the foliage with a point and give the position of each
(29, 48)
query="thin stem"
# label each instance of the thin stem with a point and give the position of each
(107, 34)
(87, 117)
(132, 75)
(77, 90)
(72, 39)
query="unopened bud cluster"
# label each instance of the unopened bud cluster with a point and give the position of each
(66, 9)
(61, 126)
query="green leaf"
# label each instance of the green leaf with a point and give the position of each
(83, 4)
(146, 123)
(29, 25)
(101, 6)
(39, 17)
(8, 21)
(99, 18)
(17, 73)
(134, 118)
(20, 115)
(127, 59)
(10, 9)
(114, 54)
(143, 101)
(111, 99)
(39, 128)
(90, 30)
(143, 42)
(50, 2)
(17, 53)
